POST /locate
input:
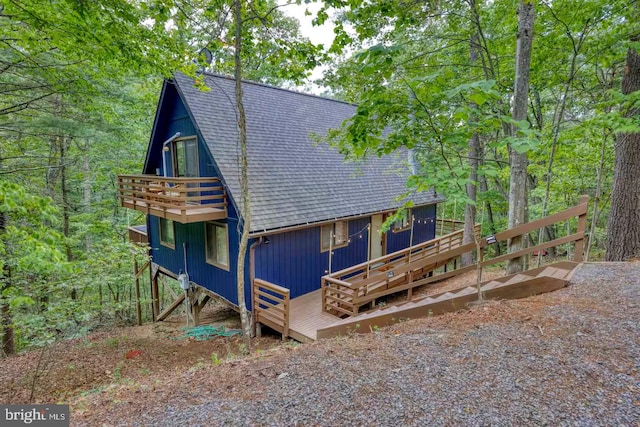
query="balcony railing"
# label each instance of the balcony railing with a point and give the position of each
(184, 200)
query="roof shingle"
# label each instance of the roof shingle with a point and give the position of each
(293, 179)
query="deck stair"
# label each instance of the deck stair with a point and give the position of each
(521, 285)
(347, 298)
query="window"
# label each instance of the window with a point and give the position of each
(340, 232)
(404, 222)
(167, 233)
(217, 238)
(185, 154)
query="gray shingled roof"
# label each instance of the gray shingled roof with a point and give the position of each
(293, 179)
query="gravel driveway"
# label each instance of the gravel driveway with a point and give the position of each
(567, 358)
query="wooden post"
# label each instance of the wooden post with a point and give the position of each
(582, 226)
(197, 308)
(410, 273)
(369, 247)
(323, 292)
(480, 254)
(138, 307)
(155, 302)
(285, 327)
(330, 250)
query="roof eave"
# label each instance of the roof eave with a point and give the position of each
(255, 234)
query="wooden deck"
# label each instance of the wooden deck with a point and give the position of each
(185, 200)
(307, 321)
(307, 317)
(179, 214)
(315, 315)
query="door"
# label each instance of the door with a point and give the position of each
(185, 164)
(378, 243)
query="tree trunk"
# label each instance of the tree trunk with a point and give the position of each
(6, 323)
(484, 187)
(244, 180)
(468, 235)
(86, 194)
(518, 161)
(596, 199)
(623, 236)
(65, 204)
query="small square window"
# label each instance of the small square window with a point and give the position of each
(217, 238)
(340, 233)
(167, 233)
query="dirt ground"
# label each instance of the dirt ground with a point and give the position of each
(120, 357)
(127, 374)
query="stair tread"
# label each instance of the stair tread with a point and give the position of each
(556, 272)
(444, 296)
(426, 301)
(467, 291)
(518, 278)
(492, 284)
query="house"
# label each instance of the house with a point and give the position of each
(312, 213)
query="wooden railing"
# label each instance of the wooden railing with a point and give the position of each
(345, 291)
(138, 235)
(447, 226)
(180, 199)
(271, 306)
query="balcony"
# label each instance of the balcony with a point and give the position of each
(184, 200)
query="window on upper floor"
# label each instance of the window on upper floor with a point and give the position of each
(217, 248)
(185, 157)
(167, 233)
(334, 235)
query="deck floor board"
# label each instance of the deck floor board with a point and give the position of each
(306, 315)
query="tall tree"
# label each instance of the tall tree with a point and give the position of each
(518, 159)
(474, 161)
(623, 238)
(244, 177)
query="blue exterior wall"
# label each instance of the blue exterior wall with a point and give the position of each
(216, 279)
(293, 259)
(173, 117)
(423, 229)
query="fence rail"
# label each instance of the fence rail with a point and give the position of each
(345, 292)
(271, 306)
(181, 199)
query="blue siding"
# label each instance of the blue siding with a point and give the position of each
(423, 229)
(174, 117)
(293, 259)
(218, 280)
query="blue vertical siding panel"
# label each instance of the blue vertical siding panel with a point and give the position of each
(425, 227)
(293, 259)
(397, 240)
(216, 279)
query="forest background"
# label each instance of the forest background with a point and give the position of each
(79, 83)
